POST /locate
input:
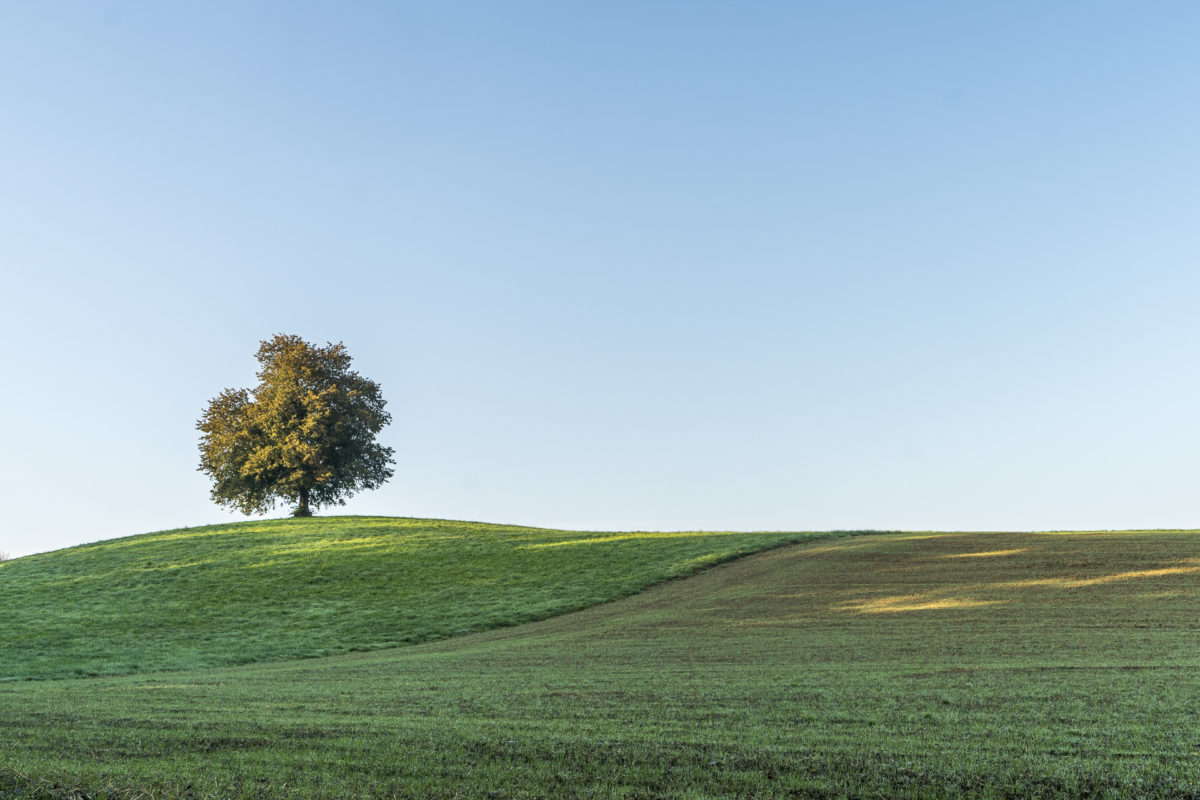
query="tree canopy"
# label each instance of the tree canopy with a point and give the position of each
(304, 434)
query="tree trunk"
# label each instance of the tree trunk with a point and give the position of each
(302, 510)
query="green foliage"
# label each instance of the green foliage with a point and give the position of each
(306, 433)
(1025, 665)
(281, 589)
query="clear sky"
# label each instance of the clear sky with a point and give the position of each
(617, 265)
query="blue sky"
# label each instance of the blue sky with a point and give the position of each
(615, 265)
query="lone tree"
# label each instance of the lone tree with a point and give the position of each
(305, 434)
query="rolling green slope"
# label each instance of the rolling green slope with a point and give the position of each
(905, 666)
(285, 589)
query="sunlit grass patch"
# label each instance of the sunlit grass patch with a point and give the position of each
(312, 547)
(1133, 575)
(989, 554)
(615, 537)
(832, 548)
(914, 602)
(1076, 583)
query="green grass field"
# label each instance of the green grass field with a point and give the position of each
(287, 589)
(918, 666)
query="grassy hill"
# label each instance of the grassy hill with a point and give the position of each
(906, 666)
(286, 589)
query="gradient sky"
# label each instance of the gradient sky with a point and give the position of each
(617, 265)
